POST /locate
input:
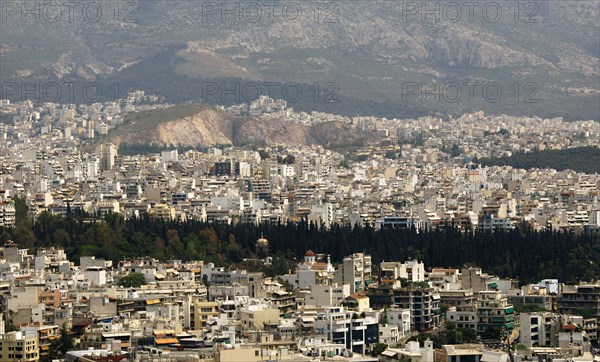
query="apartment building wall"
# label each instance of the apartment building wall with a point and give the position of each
(327, 295)
(355, 270)
(585, 298)
(423, 304)
(19, 346)
(203, 312)
(493, 310)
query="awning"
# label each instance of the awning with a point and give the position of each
(163, 341)
(159, 276)
(152, 301)
(389, 353)
(116, 335)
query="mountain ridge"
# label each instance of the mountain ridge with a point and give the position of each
(370, 51)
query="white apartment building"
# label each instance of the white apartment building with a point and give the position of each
(356, 271)
(400, 317)
(7, 214)
(412, 270)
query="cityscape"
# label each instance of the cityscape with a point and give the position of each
(369, 181)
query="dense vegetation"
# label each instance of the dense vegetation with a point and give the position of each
(581, 159)
(521, 253)
(132, 280)
(453, 335)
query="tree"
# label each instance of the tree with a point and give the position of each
(60, 346)
(234, 252)
(9, 327)
(61, 237)
(384, 317)
(450, 326)
(443, 309)
(66, 341)
(422, 337)
(529, 308)
(133, 280)
(452, 336)
(286, 285)
(492, 332)
(175, 247)
(378, 349)
(24, 237)
(468, 335)
(205, 281)
(279, 266)
(586, 313)
(159, 247)
(4, 237)
(210, 241)
(21, 211)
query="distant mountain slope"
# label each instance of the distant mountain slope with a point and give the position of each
(581, 159)
(544, 54)
(203, 126)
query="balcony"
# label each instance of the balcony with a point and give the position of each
(499, 320)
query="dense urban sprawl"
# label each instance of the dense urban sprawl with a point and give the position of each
(422, 175)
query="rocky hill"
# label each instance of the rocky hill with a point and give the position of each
(203, 126)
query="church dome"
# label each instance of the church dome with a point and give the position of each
(262, 241)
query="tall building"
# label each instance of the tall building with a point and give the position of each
(356, 271)
(584, 301)
(19, 346)
(552, 330)
(424, 306)
(7, 214)
(538, 329)
(107, 153)
(493, 311)
(345, 327)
